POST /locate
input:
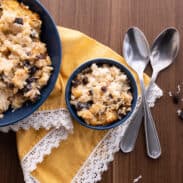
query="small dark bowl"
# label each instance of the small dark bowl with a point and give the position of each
(99, 61)
(50, 36)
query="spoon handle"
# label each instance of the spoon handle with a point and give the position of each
(128, 141)
(152, 140)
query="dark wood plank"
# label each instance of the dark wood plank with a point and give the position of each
(107, 21)
(10, 170)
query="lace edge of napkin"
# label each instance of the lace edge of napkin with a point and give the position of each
(60, 123)
(96, 164)
(42, 119)
(103, 154)
(40, 150)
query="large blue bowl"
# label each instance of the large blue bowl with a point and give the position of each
(50, 36)
(101, 61)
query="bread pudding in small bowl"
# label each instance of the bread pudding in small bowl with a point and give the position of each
(101, 94)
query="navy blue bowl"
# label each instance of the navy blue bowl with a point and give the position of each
(100, 61)
(50, 36)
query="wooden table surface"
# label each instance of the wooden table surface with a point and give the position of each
(107, 21)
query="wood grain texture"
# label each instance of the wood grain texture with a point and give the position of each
(107, 21)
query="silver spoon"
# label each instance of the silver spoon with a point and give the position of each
(130, 53)
(168, 38)
(137, 56)
(164, 51)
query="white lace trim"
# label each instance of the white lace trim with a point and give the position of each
(40, 150)
(154, 93)
(30, 178)
(43, 119)
(97, 162)
(60, 123)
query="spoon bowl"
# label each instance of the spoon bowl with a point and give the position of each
(136, 49)
(165, 49)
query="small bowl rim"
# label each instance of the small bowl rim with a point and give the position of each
(89, 63)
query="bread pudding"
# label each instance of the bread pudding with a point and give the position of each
(25, 66)
(101, 94)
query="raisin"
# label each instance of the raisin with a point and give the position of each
(85, 105)
(28, 53)
(110, 96)
(41, 56)
(19, 21)
(79, 106)
(87, 70)
(36, 98)
(27, 88)
(7, 53)
(121, 106)
(1, 11)
(128, 81)
(115, 102)
(31, 80)
(33, 34)
(89, 103)
(75, 83)
(32, 70)
(4, 78)
(85, 80)
(10, 85)
(90, 92)
(176, 99)
(120, 114)
(27, 64)
(104, 88)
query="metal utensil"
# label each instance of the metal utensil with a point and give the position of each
(172, 36)
(164, 51)
(130, 52)
(136, 52)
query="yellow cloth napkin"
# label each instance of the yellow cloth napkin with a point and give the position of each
(64, 162)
